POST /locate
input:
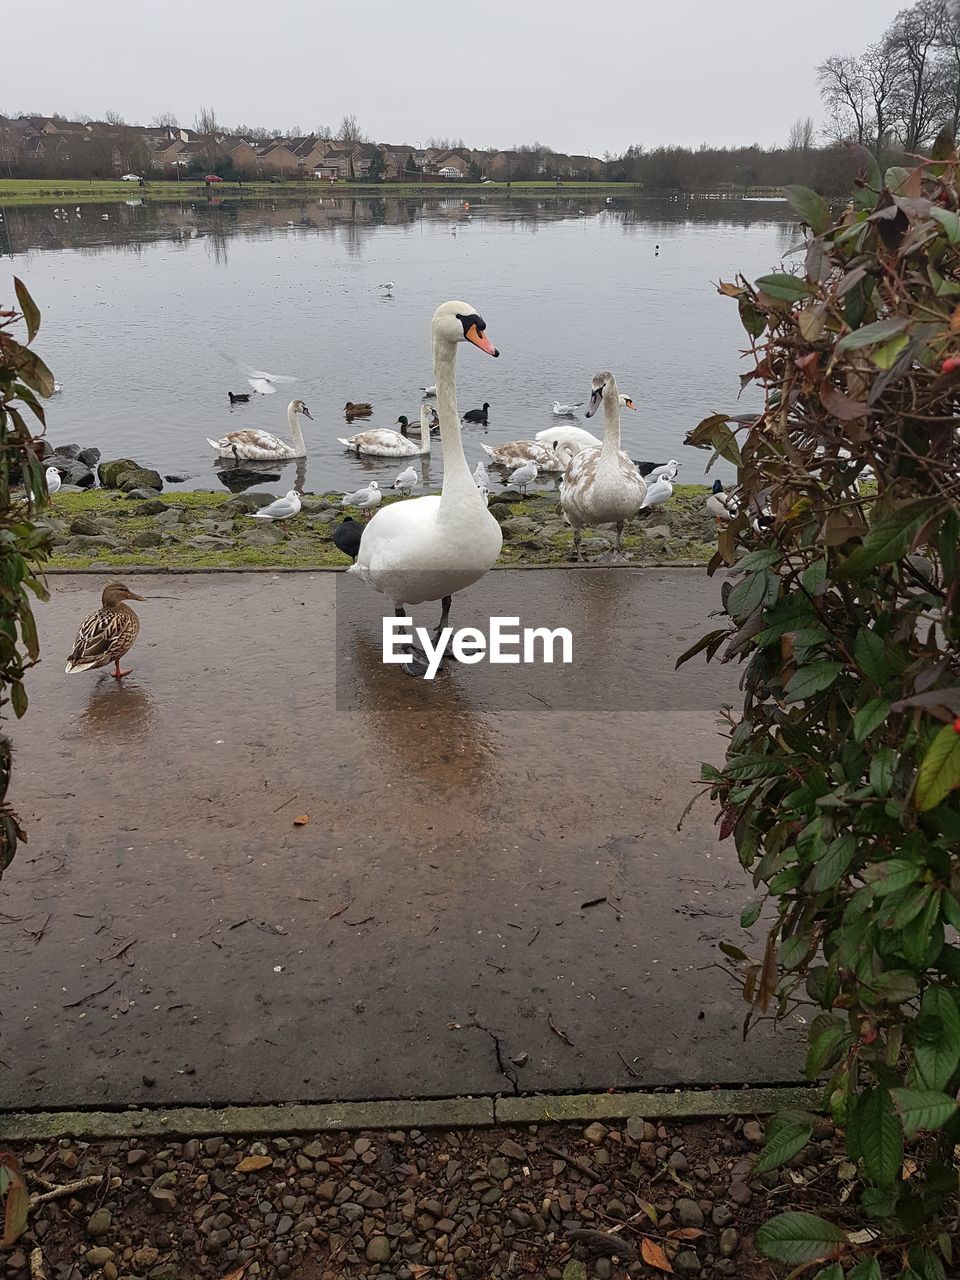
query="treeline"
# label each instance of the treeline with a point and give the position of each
(903, 89)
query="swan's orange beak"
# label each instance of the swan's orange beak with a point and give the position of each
(481, 340)
(628, 404)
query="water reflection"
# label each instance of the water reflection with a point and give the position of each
(116, 711)
(238, 476)
(431, 730)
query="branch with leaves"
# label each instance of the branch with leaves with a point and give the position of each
(841, 784)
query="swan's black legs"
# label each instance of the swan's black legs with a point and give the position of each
(417, 665)
(576, 544)
(619, 550)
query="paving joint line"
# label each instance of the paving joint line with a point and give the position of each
(439, 1113)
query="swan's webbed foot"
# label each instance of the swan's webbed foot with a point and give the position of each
(417, 666)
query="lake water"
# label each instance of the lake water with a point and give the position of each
(148, 308)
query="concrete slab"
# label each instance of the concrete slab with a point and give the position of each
(172, 939)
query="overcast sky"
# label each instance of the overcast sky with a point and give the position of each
(579, 75)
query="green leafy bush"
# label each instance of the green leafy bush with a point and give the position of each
(24, 544)
(840, 784)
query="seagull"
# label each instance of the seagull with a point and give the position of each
(407, 481)
(57, 387)
(429, 391)
(480, 477)
(366, 499)
(282, 509)
(658, 493)
(566, 410)
(261, 381)
(524, 475)
(52, 476)
(387, 288)
(668, 471)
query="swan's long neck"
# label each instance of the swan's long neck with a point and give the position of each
(458, 486)
(611, 414)
(293, 418)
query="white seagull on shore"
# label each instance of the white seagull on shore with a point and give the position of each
(366, 498)
(524, 475)
(52, 477)
(407, 481)
(481, 477)
(284, 508)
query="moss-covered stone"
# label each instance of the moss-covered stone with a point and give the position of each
(110, 470)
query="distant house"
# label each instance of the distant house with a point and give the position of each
(245, 158)
(395, 161)
(276, 159)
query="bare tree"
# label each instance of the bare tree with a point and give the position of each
(165, 120)
(842, 89)
(350, 131)
(323, 131)
(913, 43)
(113, 117)
(206, 121)
(800, 137)
(949, 68)
(882, 77)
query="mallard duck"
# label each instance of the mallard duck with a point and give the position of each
(352, 410)
(477, 415)
(721, 505)
(106, 635)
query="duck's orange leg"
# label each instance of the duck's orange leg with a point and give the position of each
(118, 673)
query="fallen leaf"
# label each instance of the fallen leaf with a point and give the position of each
(16, 1199)
(236, 1275)
(649, 1210)
(250, 1164)
(653, 1255)
(301, 819)
(687, 1233)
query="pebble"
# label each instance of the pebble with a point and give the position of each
(688, 1212)
(513, 1149)
(687, 1263)
(678, 1162)
(212, 1145)
(722, 1215)
(98, 1256)
(378, 1249)
(635, 1128)
(753, 1132)
(739, 1193)
(136, 1156)
(595, 1133)
(729, 1242)
(98, 1224)
(498, 1168)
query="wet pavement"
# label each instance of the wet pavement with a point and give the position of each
(171, 937)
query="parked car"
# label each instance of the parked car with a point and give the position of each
(212, 177)
(130, 177)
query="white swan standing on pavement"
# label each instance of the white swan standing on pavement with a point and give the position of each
(431, 547)
(384, 442)
(252, 445)
(576, 437)
(602, 486)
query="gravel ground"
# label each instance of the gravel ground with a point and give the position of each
(529, 1201)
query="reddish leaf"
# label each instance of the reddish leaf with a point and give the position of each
(653, 1255)
(686, 1233)
(841, 406)
(301, 820)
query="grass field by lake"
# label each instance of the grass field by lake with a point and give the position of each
(55, 190)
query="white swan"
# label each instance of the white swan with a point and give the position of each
(602, 486)
(428, 548)
(518, 452)
(576, 437)
(384, 442)
(260, 446)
